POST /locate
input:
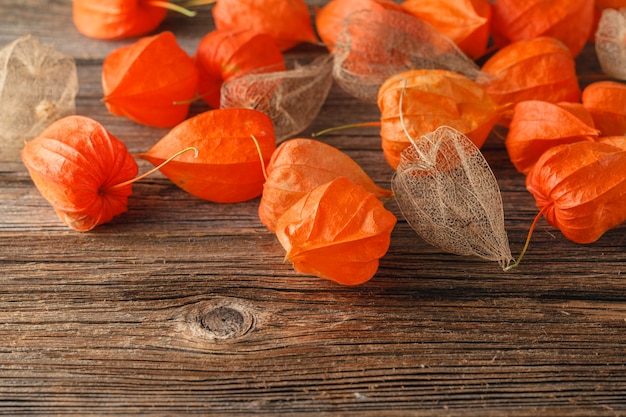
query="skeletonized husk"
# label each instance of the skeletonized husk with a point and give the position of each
(609, 43)
(292, 98)
(375, 45)
(38, 85)
(450, 197)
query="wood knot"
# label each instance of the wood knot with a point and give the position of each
(220, 319)
(224, 322)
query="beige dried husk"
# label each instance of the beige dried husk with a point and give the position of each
(38, 85)
(291, 98)
(449, 195)
(375, 45)
(609, 42)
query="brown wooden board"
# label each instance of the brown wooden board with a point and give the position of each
(181, 306)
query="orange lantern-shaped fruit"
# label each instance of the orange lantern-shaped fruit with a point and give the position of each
(465, 22)
(606, 102)
(536, 69)
(417, 102)
(570, 21)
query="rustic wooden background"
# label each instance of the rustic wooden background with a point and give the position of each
(181, 306)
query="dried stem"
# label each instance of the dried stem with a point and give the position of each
(427, 164)
(530, 232)
(193, 3)
(172, 6)
(188, 101)
(167, 161)
(350, 126)
(258, 149)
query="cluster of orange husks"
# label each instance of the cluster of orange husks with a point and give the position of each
(323, 207)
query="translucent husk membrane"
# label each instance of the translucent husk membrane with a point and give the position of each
(450, 197)
(291, 98)
(375, 45)
(610, 42)
(38, 85)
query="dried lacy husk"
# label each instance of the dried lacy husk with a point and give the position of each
(375, 45)
(291, 98)
(450, 197)
(609, 42)
(38, 85)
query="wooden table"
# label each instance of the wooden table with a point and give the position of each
(181, 306)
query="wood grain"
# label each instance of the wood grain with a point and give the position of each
(182, 307)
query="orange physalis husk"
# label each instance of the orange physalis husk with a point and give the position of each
(537, 126)
(617, 141)
(38, 85)
(337, 231)
(150, 81)
(578, 110)
(329, 20)
(535, 69)
(116, 19)
(226, 54)
(432, 98)
(450, 197)
(299, 165)
(611, 43)
(570, 21)
(288, 22)
(465, 22)
(581, 188)
(228, 168)
(606, 102)
(77, 166)
(375, 45)
(292, 98)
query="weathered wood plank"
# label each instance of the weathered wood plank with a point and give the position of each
(180, 306)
